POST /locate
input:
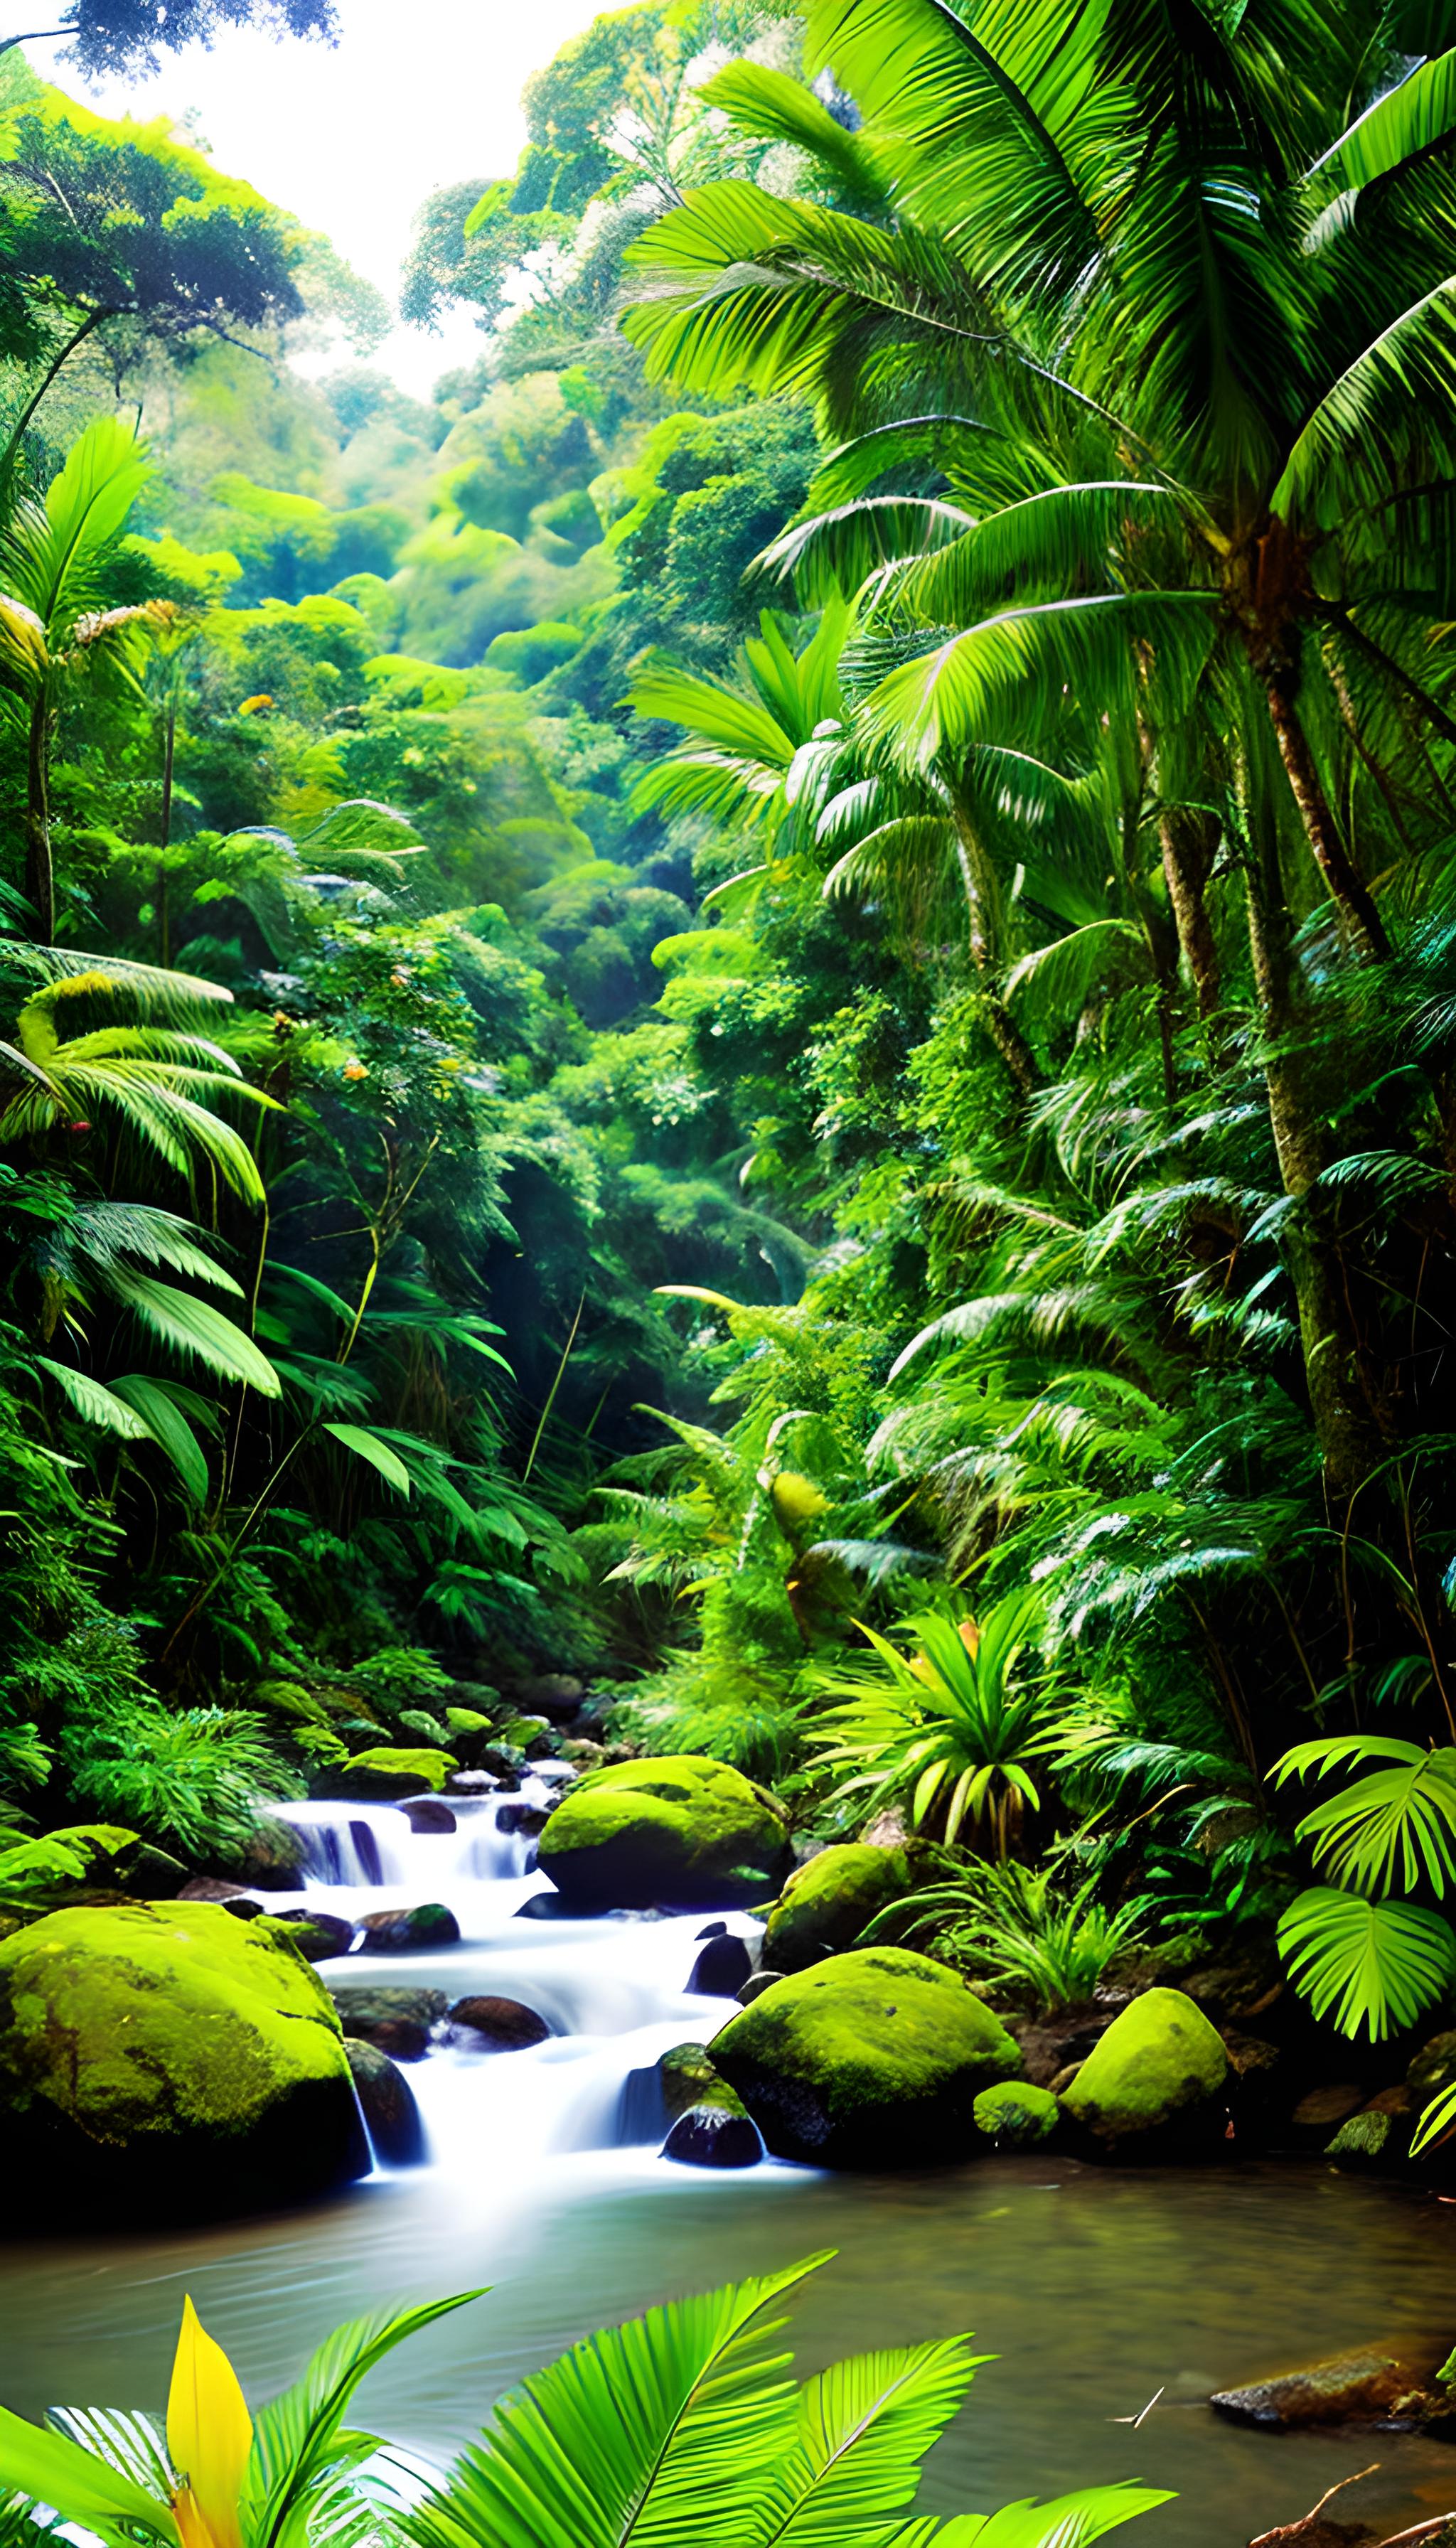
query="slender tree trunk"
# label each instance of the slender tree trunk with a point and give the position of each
(39, 871)
(1190, 842)
(169, 751)
(77, 337)
(982, 906)
(1351, 1437)
(1352, 895)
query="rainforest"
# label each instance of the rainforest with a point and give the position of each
(727, 1258)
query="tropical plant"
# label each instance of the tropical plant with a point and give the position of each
(1357, 1946)
(1022, 1927)
(199, 1778)
(685, 2418)
(946, 1731)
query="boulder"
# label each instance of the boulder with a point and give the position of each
(170, 2062)
(1349, 2387)
(582, 1752)
(271, 1858)
(828, 1901)
(688, 2078)
(387, 2102)
(723, 1965)
(1316, 2115)
(874, 2059)
(318, 1935)
(423, 1924)
(1366, 2140)
(523, 1731)
(471, 1782)
(681, 1830)
(499, 2025)
(756, 1986)
(1015, 2114)
(427, 1814)
(555, 1694)
(387, 1771)
(1156, 2085)
(217, 1889)
(396, 2019)
(152, 1874)
(714, 2137)
(529, 1820)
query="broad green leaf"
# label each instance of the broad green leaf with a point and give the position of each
(196, 1331)
(73, 2482)
(168, 1426)
(1375, 1964)
(99, 1405)
(368, 1446)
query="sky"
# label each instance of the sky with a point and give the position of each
(353, 138)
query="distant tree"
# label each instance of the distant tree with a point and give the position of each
(130, 35)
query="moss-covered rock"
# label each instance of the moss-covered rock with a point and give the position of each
(389, 1769)
(170, 2061)
(828, 1901)
(688, 2079)
(682, 1830)
(873, 2059)
(1156, 2085)
(1015, 2114)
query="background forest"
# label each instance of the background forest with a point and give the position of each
(763, 1008)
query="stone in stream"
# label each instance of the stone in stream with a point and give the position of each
(1364, 2387)
(1323, 2108)
(1156, 2086)
(682, 1829)
(318, 1935)
(229, 1898)
(687, 2078)
(387, 2101)
(427, 1814)
(710, 1929)
(555, 1694)
(828, 1901)
(471, 1782)
(714, 2137)
(1367, 2140)
(721, 1969)
(1015, 2114)
(425, 1923)
(874, 2059)
(497, 2025)
(756, 1986)
(387, 1771)
(393, 2016)
(529, 1820)
(166, 2062)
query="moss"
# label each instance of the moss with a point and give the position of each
(828, 1901)
(467, 1720)
(1016, 2115)
(1159, 2074)
(688, 2080)
(387, 1771)
(523, 1731)
(174, 2057)
(1364, 2140)
(873, 2058)
(681, 1830)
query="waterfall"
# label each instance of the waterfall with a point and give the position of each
(611, 1990)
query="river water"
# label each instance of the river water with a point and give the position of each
(1095, 2288)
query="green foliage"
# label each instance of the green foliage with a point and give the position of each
(1023, 1929)
(199, 1778)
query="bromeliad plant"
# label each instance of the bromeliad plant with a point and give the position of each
(947, 1730)
(682, 2425)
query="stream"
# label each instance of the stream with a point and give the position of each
(1096, 2288)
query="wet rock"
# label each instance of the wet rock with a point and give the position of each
(1319, 2114)
(425, 1923)
(163, 2060)
(1157, 2083)
(874, 2059)
(582, 1752)
(710, 1929)
(1053, 2047)
(828, 1900)
(544, 1906)
(152, 1874)
(528, 1819)
(1365, 2141)
(318, 1935)
(271, 1858)
(387, 1771)
(520, 1732)
(396, 2019)
(217, 1889)
(557, 1695)
(687, 2078)
(1432, 2070)
(427, 1814)
(888, 1829)
(471, 1782)
(497, 2025)
(387, 2099)
(722, 1967)
(505, 1760)
(756, 1986)
(712, 2136)
(681, 1829)
(1360, 2387)
(1236, 1990)
(1015, 2114)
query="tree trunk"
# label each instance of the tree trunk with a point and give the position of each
(1352, 895)
(1351, 1436)
(40, 873)
(984, 910)
(1190, 842)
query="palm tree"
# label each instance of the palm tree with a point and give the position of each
(56, 632)
(1171, 341)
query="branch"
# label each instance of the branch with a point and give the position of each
(78, 338)
(36, 36)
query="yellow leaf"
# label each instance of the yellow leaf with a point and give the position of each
(210, 2435)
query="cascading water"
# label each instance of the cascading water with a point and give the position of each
(613, 1990)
